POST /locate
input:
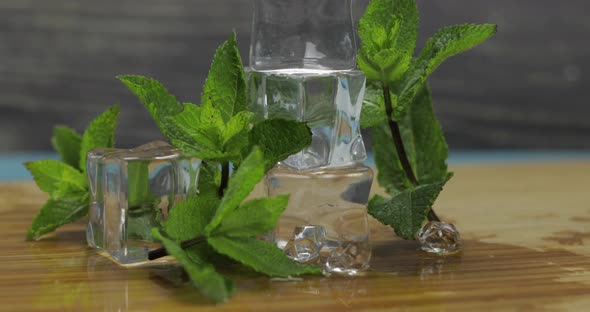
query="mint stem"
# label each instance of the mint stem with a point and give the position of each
(224, 179)
(399, 146)
(162, 252)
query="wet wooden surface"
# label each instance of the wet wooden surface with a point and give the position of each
(527, 238)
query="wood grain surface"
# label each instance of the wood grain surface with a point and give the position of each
(526, 230)
(524, 88)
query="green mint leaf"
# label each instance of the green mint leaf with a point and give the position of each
(56, 213)
(235, 135)
(142, 219)
(397, 19)
(209, 177)
(385, 65)
(424, 143)
(138, 187)
(154, 97)
(225, 88)
(261, 256)
(253, 218)
(198, 131)
(445, 43)
(189, 217)
(237, 124)
(373, 112)
(407, 211)
(388, 31)
(241, 183)
(202, 274)
(424, 140)
(57, 179)
(99, 134)
(202, 125)
(66, 142)
(279, 139)
(143, 205)
(390, 173)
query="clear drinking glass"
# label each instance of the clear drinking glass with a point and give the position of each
(302, 67)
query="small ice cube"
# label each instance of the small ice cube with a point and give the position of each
(350, 258)
(306, 243)
(440, 238)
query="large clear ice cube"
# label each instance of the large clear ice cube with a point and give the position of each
(132, 191)
(329, 101)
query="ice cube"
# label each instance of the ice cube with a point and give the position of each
(329, 101)
(306, 244)
(350, 258)
(132, 191)
(440, 238)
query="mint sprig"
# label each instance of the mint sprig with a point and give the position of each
(219, 129)
(408, 142)
(231, 228)
(65, 181)
(219, 222)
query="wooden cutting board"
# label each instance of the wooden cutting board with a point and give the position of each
(527, 248)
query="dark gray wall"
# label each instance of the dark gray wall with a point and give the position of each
(524, 89)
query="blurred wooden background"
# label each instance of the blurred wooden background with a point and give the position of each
(58, 58)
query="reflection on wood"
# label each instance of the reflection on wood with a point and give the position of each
(509, 216)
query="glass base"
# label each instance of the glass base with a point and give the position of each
(326, 220)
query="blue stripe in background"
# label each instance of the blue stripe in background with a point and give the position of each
(11, 168)
(11, 164)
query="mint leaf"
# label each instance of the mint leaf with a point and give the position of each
(445, 43)
(209, 177)
(425, 146)
(203, 127)
(57, 212)
(99, 134)
(395, 21)
(189, 217)
(154, 97)
(388, 31)
(197, 131)
(253, 218)
(385, 65)
(235, 135)
(390, 173)
(424, 140)
(406, 211)
(141, 221)
(202, 274)
(279, 139)
(201, 132)
(57, 179)
(67, 142)
(263, 257)
(373, 112)
(238, 124)
(225, 88)
(241, 183)
(138, 183)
